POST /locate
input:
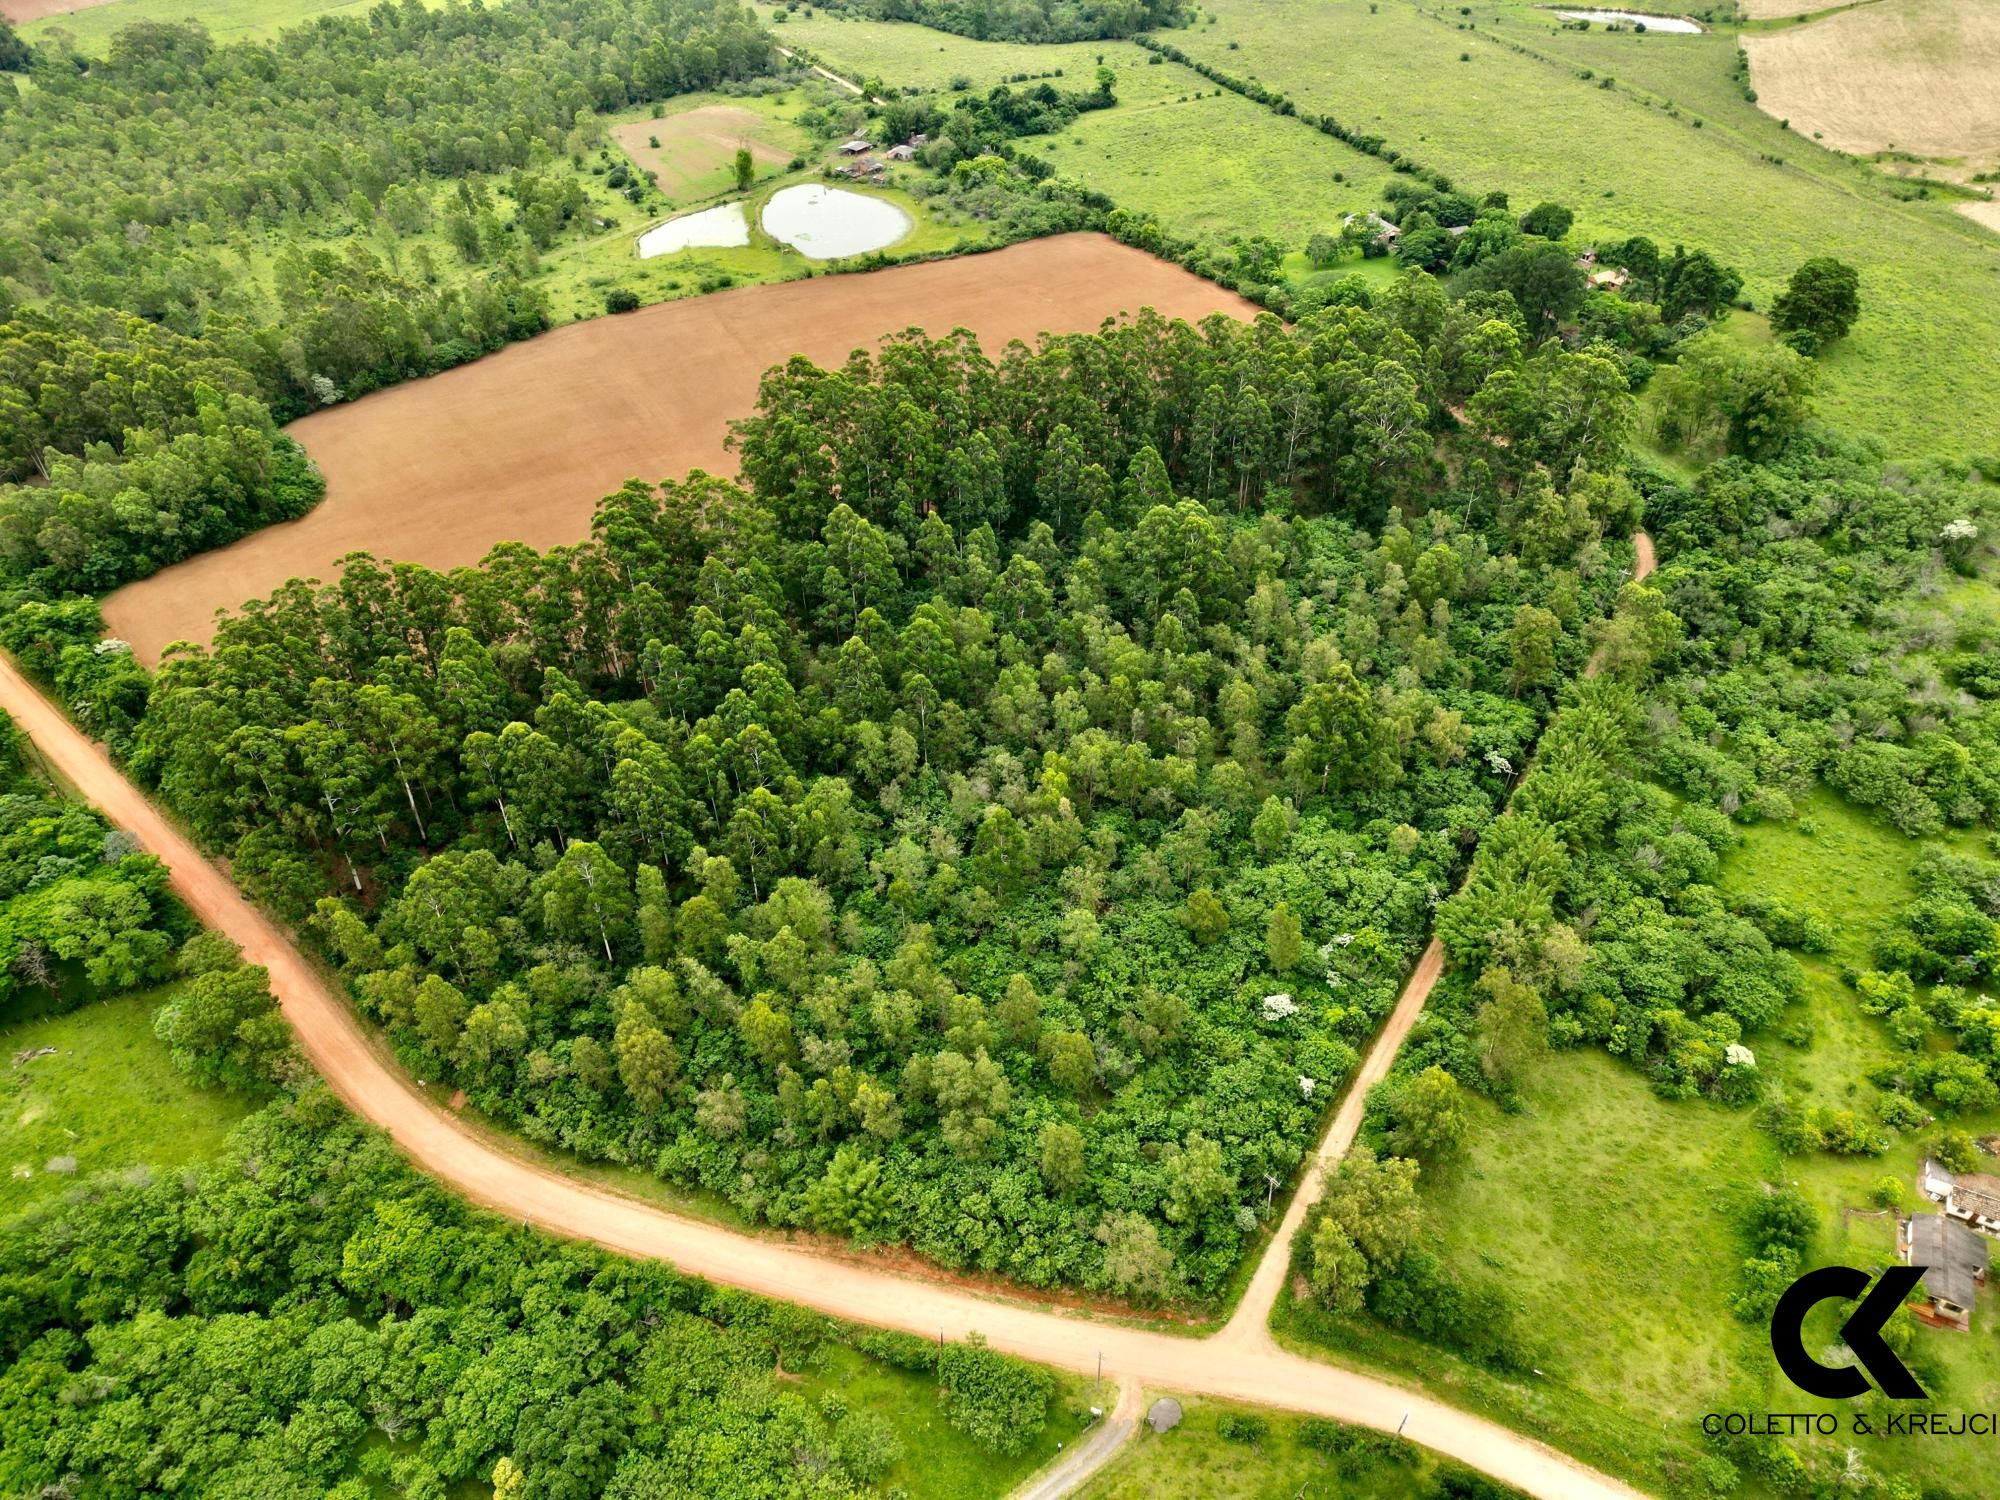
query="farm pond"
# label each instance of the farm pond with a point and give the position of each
(722, 227)
(1677, 25)
(825, 223)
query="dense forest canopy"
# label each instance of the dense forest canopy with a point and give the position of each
(305, 1316)
(994, 826)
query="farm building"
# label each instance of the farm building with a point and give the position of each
(1973, 1197)
(855, 147)
(1954, 1262)
(902, 153)
(1608, 280)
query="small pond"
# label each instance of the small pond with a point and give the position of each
(720, 227)
(1676, 25)
(825, 223)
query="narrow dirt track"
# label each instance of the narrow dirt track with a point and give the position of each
(521, 445)
(1241, 1363)
(1072, 1470)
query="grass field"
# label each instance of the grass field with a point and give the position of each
(904, 55)
(108, 1098)
(226, 20)
(698, 140)
(1195, 1459)
(939, 1462)
(1205, 162)
(1602, 1203)
(1631, 158)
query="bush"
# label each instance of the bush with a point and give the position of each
(998, 1402)
(621, 299)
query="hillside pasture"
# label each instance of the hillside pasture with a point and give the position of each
(93, 22)
(696, 154)
(1914, 76)
(1918, 369)
(1600, 1195)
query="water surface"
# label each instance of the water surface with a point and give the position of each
(721, 227)
(825, 223)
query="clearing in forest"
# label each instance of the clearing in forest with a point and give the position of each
(1914, 76)
(696, 152)
(521, 445)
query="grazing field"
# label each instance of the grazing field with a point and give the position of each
(1918, 368)
(1212, 164)
(1599, 1191)
(1221, 1451)
(695, 154)
(904, 55)
(93, 22)
(1916, 76)
(1207, 163)
(108, 1097)
(521, 445)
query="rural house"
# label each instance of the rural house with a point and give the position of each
(1971, 1196)
(905, 152)
(855, 147)
(1954, 1262)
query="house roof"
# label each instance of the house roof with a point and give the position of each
(1951, 1254)
(1977, 1193)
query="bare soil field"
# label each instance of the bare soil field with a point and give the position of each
(1769, 10)
(521, 445)
(21, 12)
(1987, 214)
(1905, 75)
(697, 149)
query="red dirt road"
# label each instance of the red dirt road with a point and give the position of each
(1242, 1363)
(521, 445)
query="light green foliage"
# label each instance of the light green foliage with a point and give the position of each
(371, 1277)
(108, 1097)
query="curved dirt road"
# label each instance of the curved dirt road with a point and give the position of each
(1241, 1363)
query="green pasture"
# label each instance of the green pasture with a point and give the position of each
(905, 55)
(1213, 166)
(938, 1461)
(108, 1098)
(1668, 148)
(1195, 1458)
(226, 20)
(1605, 1208)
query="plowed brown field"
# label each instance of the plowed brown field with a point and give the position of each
(521, 445)
(21, 12)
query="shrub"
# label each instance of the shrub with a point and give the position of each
(998, 1402)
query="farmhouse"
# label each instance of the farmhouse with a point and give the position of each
(1608, 280)
(855, 147)
(1954, 1262)
(904, 152)
(1971, 1196)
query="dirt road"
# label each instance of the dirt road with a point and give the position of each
(520, 446)
(1072, 1470)
(1236, 1365)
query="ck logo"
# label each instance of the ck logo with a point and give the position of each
(1862, 1332)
